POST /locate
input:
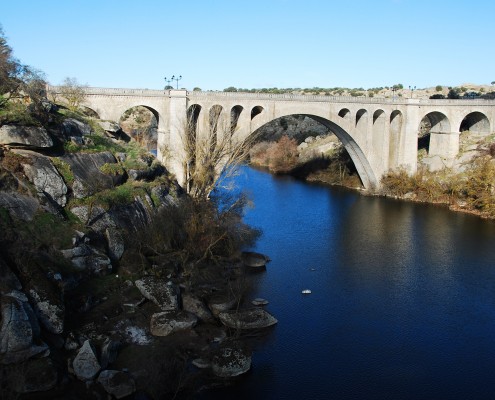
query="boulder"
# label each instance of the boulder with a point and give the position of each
(95, 216)
(19, 332)
(109, 126)
(25, 136)
(117, 383)
(254, 318)
(253, 259)
(19, 206)
(220, 303)
(115, 242)
(164, 294)
(168, 322)
(44, 176)
(88, 259)
(231, 360)
(195, 306)
(74, 127)
(259, 302)
(86, 365)
(49, 307)
(88, 177)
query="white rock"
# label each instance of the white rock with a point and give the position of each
(86, 365)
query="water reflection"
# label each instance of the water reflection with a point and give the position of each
(402, 304)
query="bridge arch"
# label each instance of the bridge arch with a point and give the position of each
(140, 122)
(90, 112)
(476, 122)
(235, 113)
(256, 110)
(434, 122)
(363, 167)
(149, 108)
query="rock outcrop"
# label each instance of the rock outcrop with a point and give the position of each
(231, 360)
(164, 294)
(19, 332)
(25, 136)
(44, 176)
(168, 322)
(254, 318)
(88, 175)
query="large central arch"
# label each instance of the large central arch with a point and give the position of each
(360, 161)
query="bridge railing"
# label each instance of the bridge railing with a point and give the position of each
(115, 91)
(335, 99)
(279, 97)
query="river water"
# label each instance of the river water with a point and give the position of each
(402, 303)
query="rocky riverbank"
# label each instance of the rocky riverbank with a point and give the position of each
(465, 183)
(112, 280)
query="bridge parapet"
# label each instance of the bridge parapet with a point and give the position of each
(336, 99)
(117, 92)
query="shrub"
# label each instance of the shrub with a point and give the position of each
(283, 156)
(397, 183)
(439, 88)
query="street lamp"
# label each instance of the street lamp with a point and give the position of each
(412, 89)
(168, 82)
(177, 80)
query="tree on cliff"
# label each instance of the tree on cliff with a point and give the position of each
(18, 80)
(73, 92)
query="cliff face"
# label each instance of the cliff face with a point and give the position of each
(70, 193)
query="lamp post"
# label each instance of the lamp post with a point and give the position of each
(177, 79)
(168, 82)
(412, 89)
(394, 89)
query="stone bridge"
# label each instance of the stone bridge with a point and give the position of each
(380, 134)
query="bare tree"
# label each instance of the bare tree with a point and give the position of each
(73, 92)
(211, 158)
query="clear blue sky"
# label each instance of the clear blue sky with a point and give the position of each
(214, 44)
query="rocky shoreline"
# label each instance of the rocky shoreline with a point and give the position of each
(89, 307)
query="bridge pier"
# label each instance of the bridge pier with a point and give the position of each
(444, 144)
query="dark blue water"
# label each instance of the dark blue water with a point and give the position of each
(402, 303)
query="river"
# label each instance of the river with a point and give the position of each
(402, 303)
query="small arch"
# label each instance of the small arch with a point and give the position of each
(214, 117)
(344, 113)
(475, 122)
(90, 112)
(378, 115)
(434, 122)
(256, 110)
(235, 113)
(140, 122)
(192, 116)
(360, 114)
